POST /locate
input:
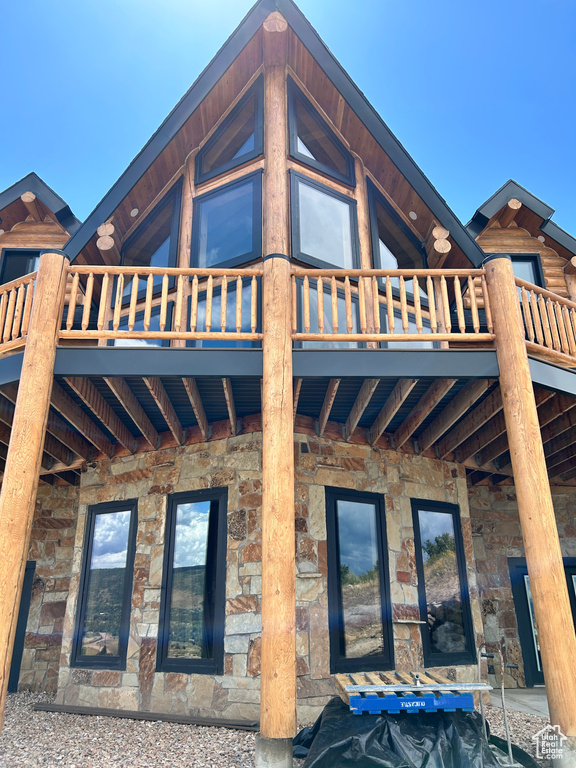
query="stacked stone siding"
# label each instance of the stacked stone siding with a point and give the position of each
(235, 463)
(52, 547)
(497, 536)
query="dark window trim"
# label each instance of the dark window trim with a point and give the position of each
(246, 281)
(327, 292)
(257, 88)
(431, 658)
(338, 662)
(140, 316)
(295, 178)
(535, 258)
(173, 195)
(216, 561)
(294, 93)
(7, 250)
(256, 253)
(105, 662)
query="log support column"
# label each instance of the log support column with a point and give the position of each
(537, 519)
(278, 657)
(21, 475)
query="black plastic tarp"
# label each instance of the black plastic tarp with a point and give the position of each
(340, 739)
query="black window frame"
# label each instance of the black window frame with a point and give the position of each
(434, 658)
(77, 659)
(256, 90)
(295, 179)
(295, 93)
(327, 291)
(231, 289)
(173, 195)
(216, 560)
(155, 310)
(535, 259)
(256, 179)
(6, 252)
(338, 661)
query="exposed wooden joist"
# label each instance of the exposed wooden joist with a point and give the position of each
(57, 427)
(63, 403)
(297, 388)
(508, 213)
(329, 398)
(32, 205)
(476, 419)
(423, 408)
(563, 468)
(569, 475)
(229, 395)
(166, 408)
(88, 393)
(455, 409)
(70, 478)
(47, 461)
(562, 457)
(390, 408)
(559, 443)
(133, 408)
(360, 404)
(52, 447)
(499, 445)
(196, 402)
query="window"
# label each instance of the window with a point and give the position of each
(324, 226)
(447, 636)
(227, 224)
(246, 325)
(313, 142)
(240, 137)
(358, 587)
(191, 631)
(154, 243)
(394, 245)
(399, 328)
(527, 266)
(103, 615)
(139, 326)
(17, 263)
(328, 326)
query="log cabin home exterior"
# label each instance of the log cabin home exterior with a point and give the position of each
(272, 413)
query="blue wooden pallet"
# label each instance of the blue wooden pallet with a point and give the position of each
(395, 692)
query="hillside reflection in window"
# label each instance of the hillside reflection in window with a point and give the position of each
(328, 324)
(358, 587)
(191, 627)
(102, 629)
(443, 591)
(139, 326)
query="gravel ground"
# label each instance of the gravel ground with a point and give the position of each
(52, 740)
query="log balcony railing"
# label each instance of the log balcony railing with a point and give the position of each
(329, 307)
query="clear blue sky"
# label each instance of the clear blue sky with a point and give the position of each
(477, 92)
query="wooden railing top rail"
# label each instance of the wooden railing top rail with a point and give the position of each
(24, 280)
(545, 292)
(185, 271)
(308, 272)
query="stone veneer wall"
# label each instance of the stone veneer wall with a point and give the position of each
(497, 536)
(52, 547)
(235, 462)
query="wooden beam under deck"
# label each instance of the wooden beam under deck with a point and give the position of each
(390, 408)
(473, 421)
(361, 403)
(196, 402)
(297, 388)
(229, 397)
(63, 403)
(128, 401)
(329, 398)
(429, 400)
(160, 395)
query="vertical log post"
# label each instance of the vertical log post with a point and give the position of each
(21, 475)
(537, 520)
(278, 657)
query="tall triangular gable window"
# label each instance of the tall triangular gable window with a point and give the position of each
(239, 139)
(312, 141)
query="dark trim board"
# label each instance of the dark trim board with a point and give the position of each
(552, 377)
(342, 82)
(33, 183)
(499, 199)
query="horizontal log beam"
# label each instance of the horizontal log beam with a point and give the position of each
(508, 213)
(32, 205)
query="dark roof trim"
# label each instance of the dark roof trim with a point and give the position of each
(499, 199)
(173, 123)
(341, 80)
(33, 183)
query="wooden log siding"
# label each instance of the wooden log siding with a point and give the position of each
(403, 305)
(198, 284)
(15, 309)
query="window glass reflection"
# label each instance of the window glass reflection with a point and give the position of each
(139, 326)
(314, 142)
(325, 227)
(225, 226)
(234, 141)
(230, 316)
(187, 613)
(328, 325)
(100, 634)
(151, 248)
(359, 579)
(442, 586)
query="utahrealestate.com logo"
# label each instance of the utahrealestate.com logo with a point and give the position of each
(549, 742)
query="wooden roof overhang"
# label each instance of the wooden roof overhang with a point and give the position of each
(439, 403)
(47, 203)
(193, 120)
